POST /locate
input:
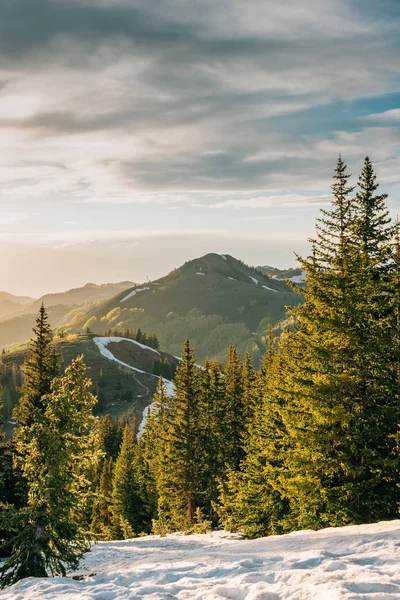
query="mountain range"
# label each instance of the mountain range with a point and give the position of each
(214, 300)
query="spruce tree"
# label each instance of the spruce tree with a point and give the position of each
(40, 369)
(213, 468)
(249, 500)
(51, 447)
(152, 448)
(233, 412)
(337, 401)
(179, 487)
(101, 511)
(249, 389)
(127, 508)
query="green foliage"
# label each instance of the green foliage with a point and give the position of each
(147, 339)
(40, 369)
(179, 483)
(10, 382)
(339, 393)
(51, 449)
(128, 511)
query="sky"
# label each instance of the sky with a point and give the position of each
(139, 134)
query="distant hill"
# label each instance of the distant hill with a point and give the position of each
(124, 385)
(295, 275)
(16, 326)
(90, 292)
(213, 300)
(10, 304)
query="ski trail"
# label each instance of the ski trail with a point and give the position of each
(102, 343)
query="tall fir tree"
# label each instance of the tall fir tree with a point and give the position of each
(179, 487)
(127, 508)
(250, 501)
(50, 450)
(212, 392)
(101, 520)
(338, 404)
(232, 413)
(153, 449)
(41, 367)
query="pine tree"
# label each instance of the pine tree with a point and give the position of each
(102, 513)
(2, 457)
(337, 395)
(40, 369)
(249, 499)
(232, 417)
(249, 389)
(51, 447)
(212, 393)
(127, 509)
(179, 487)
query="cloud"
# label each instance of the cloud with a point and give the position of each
(10, 218)
(107, 105)
(283, 201)
(389, 116)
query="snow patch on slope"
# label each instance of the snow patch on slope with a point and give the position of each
(270, 289)
(201, 274)
(348, 563)
(298, 278)
(169, 390)
(133, 293)
(102, 343)
(254, 280)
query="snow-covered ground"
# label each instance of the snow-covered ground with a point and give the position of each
(350, 563)
(134, 292)
(268, 288)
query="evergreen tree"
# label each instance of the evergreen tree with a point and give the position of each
(338, 406)
(51, 447)
(211, 397)
(232, 413)
(127, 509)
(102, 507)
(41, 368)
(249, 500)
(249, 389)
(3, 464)
(152, 448)
(180, 486)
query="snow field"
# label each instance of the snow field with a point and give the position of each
(349, 563)
(133, 293)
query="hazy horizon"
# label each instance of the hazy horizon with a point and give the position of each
(103, 262)
(139, 135)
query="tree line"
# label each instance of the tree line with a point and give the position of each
(310, 439)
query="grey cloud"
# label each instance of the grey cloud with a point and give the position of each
(219, 171)
(211, 79)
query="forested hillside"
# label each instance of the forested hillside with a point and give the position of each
(214, 300)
